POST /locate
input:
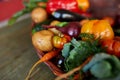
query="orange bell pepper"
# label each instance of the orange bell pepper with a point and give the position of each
(99, 28)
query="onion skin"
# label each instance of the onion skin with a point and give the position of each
(42, 40)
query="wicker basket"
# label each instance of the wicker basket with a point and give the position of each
(57, 71)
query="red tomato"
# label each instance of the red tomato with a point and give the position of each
(112, 46)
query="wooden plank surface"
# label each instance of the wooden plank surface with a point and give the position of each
(17, 54)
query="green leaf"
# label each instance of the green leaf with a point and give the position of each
(76, 43)
(87, 36)
(30, 5)
(14, 18)
(12, 21)
(98, 69)
(66, 50)
(115, 62)
(38, 27)
(78, 52)
(101, 69)
(62, 24)
(97, 58)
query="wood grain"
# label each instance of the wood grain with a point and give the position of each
(17, 54)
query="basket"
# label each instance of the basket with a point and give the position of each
(56, 70)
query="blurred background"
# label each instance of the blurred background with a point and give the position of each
(8, 8)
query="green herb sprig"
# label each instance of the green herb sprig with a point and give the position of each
(77, 51)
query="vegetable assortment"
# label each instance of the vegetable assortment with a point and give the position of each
(79, 45)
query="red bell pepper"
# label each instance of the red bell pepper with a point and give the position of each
(71, 5)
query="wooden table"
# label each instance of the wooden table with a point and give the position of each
(17, 54)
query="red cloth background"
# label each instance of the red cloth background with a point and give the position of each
(9, 7)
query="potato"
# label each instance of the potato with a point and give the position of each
(42, 40)
(39, 15)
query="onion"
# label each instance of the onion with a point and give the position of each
(39, 15)
(42, 40)
(72, 29)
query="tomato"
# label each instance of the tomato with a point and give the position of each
(116, 48)
(108, 44)
(58, 42)
(112, 46)
(99, 28)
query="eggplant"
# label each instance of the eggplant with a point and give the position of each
(66, 15)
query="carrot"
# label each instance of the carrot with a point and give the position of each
(46, 57)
